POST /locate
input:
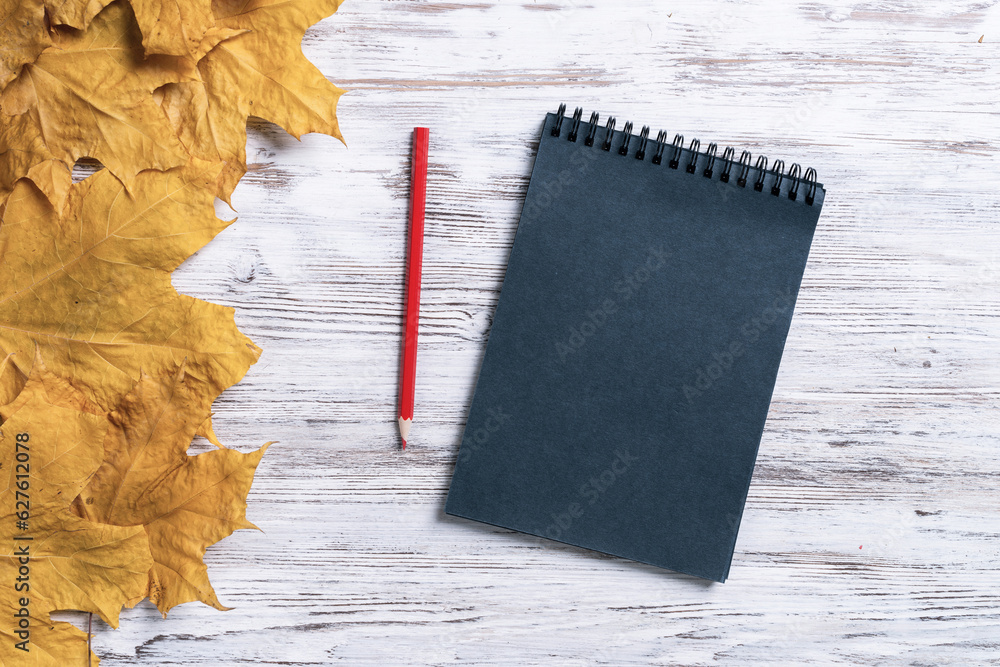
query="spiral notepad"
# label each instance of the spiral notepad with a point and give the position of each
(635, 345)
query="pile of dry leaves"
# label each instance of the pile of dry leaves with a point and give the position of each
(106, 372)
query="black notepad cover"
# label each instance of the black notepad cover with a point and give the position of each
(633, 352)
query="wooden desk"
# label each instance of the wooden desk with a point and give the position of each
(872, 530)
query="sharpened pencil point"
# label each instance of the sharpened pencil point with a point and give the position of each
(404, 429)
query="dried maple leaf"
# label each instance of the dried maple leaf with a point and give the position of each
(159, 91)
(12, 379)
(261, 72)
(90, 285)
(51, 444)
(22, 36)
(90, 95)
(32, 160)
(173, 27)
(185, 503)
(24, 32)
(169, 27)
(74, 13)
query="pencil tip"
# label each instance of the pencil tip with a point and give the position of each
(404, 429)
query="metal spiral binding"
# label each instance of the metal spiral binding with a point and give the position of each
(678, 149)
(761, 168)
(609, 132)
(712, 149)
(793, 174)
(559, 120)
(661, 143)
(577, 117)
(727, 155)
(643, 140)
(694, 148)
(809, 178)
(779, 176)
(741, 180)
(594, 118)
(628, 138)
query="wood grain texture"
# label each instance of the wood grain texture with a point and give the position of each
(871, 532)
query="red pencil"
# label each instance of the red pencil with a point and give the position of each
(418, 198)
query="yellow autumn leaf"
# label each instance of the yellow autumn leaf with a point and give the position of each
(24, 33)
(90, 285)
(185, 503)
(74, 13)
(261, 72)
(32, 160)
(267, 65)
(169, 27)
(53, 644)
(51, 444)
(12, 379)
(159, 91)
(22, 36)
(173, 27)
(90, 95)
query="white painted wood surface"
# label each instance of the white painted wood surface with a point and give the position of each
(872, 530)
